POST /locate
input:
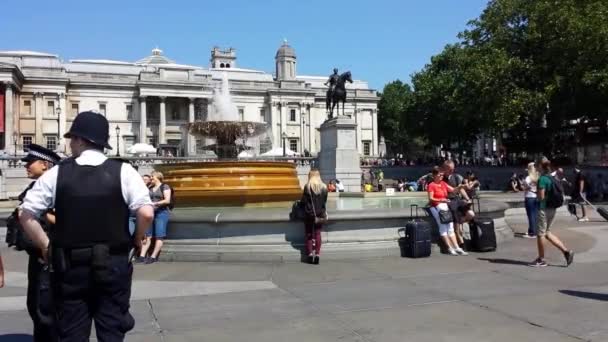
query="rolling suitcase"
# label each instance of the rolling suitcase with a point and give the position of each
(416, 239)
(602, 211)
(481, 231)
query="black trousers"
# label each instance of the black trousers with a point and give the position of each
(81, 298)
(39, 304)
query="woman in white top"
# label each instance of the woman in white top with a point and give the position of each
(532, 204)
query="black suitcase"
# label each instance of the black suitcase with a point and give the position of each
(602, 211)
(416, 239)
(481, 232)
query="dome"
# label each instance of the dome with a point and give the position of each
(156, 58)
(286, 51)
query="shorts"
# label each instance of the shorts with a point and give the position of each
(544, 221)
(459, 209)
(159, 225)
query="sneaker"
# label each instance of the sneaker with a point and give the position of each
(151, 260)
(140, 260)
(539, 263)
(569, 255)
(583, 219)
(452, 251)
(528, 236)
(461, 251)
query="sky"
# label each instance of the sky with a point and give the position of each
(379, 41)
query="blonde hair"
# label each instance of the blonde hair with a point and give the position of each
(532, 172)
(315, 184)
(158, 175)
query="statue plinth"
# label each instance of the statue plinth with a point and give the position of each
(339, 158)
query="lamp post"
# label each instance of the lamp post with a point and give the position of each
(15, 138)
(58, 111)
(284, 136)
(117, 141)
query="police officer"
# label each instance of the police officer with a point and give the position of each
(90, 245)
(37, 162)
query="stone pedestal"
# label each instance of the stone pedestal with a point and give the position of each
(339, 158)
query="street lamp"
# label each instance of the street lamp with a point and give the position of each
(284, 136)
(58, 111)
(15, 138)
(117, 141)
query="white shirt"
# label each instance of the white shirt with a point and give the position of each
(340, 186)
(530, 188)
(42, 196)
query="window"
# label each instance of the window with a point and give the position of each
(292, 115)
(262, 115)
(152, 141)
(102, 109)
(200, 147)
(129, 110)
(128, 142)
(27, 108)
(74, 110)
(26, 141)
(50, 108)
(242, 114)
(51, 142)
(367, 148)
(293, 145)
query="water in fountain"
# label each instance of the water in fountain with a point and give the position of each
(225, 133)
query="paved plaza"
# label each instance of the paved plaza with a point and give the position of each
(482, 297)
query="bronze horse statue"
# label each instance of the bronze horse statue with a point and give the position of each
(338, 94)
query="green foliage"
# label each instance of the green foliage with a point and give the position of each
(520, 62)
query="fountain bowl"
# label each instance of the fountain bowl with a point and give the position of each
(231, 183)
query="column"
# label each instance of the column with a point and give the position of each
(302, 135)
(374, 132)
(358, 131)
(275, 124)
(311, 128)
(283, 121)
(39, 110)
(143, 121)
(191, 147)
(162, 127)
(62, 122)
(8, 117)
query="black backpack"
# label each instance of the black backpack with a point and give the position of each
(555, 195)
(172, 199)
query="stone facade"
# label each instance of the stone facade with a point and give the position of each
(42, 94)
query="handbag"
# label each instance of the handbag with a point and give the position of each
(445, 216)
(297, 211)
(318, 220)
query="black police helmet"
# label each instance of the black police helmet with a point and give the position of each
(37, 152)
(91, 126)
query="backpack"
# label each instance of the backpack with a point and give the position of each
(555, 195)
(172, 199)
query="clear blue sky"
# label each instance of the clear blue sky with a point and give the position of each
(379, 41)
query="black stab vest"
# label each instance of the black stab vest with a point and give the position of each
(89, 206)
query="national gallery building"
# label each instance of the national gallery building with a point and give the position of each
(149, 100)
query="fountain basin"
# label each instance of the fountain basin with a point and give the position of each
(231, 183)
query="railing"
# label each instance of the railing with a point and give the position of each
(15, 162)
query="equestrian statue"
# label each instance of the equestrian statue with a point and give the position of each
(336, 92)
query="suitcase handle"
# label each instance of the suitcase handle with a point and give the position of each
(401, 230)
(412, 206)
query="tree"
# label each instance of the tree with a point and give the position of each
(394, 110)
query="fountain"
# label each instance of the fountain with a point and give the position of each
(228, 182)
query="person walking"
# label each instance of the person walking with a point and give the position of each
(438, 191)
(531, 200)
(160, 194)
(579, 193)
(90, 245)
(314, 198)
(546, 215)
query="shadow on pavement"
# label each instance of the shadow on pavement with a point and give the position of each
(16, 338)
(581, 294)
(505, 261)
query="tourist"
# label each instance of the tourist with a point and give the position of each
(460, 204)
(531, 200)
(339, 186)
(472, 185)
(438, 196)
(132, 224)
(90, 244)
(314, 198)
(514, 184)
(160, 194)
(331, 187)
(546, 215)
(38, 161)
(579, 194)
